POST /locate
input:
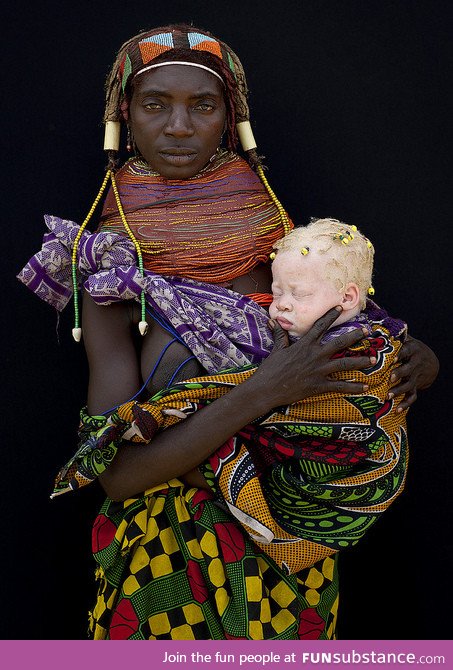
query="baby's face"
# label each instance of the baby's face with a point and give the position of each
(300, 290)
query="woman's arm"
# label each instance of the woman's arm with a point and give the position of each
(112, 357)
(418, 370)
(287, 375)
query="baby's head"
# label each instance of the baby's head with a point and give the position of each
(317, 267)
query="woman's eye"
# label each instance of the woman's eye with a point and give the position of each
(153, 105)
(205, 107)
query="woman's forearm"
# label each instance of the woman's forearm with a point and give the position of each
(180, 449)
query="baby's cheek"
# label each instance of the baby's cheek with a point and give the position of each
(272, 310)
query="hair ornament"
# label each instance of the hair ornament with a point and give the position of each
(112, 136)
(371, 291)
(369, 245)
(272, 255)
(346, 236)
(304, 251)
(246, 137)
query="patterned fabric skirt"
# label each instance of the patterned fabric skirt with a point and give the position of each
(174, 565)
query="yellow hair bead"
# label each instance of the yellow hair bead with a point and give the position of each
(304, 251)
(272, 255)
(354, 228)
(369, 245)
(371, 291)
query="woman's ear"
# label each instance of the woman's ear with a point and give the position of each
(351, 297)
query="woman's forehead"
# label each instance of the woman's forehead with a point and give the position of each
(176, 79)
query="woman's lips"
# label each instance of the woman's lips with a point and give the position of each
(178, 157)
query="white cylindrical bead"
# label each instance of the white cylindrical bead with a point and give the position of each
(112, 136)
(245, 133)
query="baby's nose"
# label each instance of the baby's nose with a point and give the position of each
(283, 305)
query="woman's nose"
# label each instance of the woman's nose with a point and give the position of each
(179, 123)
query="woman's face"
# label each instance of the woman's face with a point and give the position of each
(177, 116)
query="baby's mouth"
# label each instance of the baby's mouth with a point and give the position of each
(284, 322)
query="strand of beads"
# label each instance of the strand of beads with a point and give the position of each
(77, 330)
(142, 326)
(275, 200)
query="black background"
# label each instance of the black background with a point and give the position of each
(349, 105)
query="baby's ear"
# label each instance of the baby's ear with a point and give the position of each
(351, 297)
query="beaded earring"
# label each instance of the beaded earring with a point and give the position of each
(129, 140)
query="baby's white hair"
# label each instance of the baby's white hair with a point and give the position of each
(350, 261)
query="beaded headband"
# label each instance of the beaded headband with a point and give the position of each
(135, 57)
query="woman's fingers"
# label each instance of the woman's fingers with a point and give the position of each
(281, 340)
(348, 363)
(322, 324)
(343, 386)
(420, 364)
(407, 401)
(403, 371)
(406, 386)
(344, 341)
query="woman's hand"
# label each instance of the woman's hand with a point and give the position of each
(304, 369)
(419, 368)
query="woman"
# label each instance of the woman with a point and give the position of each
(172, 563)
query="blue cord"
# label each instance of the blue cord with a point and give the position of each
(164, 324)
(178, 369)
(150, 376)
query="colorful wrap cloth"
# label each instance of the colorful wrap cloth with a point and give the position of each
(215, 226)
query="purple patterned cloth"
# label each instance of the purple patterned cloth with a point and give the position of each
(222, 328)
